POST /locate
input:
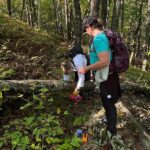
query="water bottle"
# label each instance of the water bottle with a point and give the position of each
(91, 76)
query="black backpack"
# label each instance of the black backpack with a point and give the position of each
(120, 54)
(74, 51)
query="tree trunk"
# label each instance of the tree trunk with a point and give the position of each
(122, 15)
(39, 14)
(108, 8)
(66, 12)
(70, 14)
(31, 12)
(28, 13)
(113, 24)
(9, 7)
(147, 40)
(144, 64)
(94, 8)
(137, 32)
(131, 57)
(34, 15)
(67, 19)
(148, 27)
(55, 15)
(116, 15)
(23, 7)
(77, 22)
(104, 12)
(58, 17)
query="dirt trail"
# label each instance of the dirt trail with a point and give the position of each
(133, 124)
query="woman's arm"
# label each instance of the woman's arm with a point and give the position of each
(103, 62)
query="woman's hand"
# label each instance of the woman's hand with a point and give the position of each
(76, 92)
(82, 70)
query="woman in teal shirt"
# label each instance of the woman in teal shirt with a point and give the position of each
(100, 57)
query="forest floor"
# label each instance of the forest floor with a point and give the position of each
(130, 129)
(28, 55)
(133, 119)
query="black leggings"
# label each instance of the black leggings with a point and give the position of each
(110, 92)
(111, 115)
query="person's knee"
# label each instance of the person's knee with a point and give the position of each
(66, 67)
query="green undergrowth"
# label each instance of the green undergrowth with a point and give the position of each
(42, 118)
(6, 73)
(136, 75)
(39, 119)
(137, 80)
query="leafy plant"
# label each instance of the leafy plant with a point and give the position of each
(70, 144)
(37, 131)
(5, 88)
(80, 120)
(7, 73)
(104, 137)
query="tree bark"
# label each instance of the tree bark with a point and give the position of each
(77, 22)
(116, 15)
(34, 15)
(148, 27)
(122, 15)
(104, 12)
(28, 13)
(70, 14)
(23, 7)
(67, 20)
(39, 14)
(60, 20)
(9, 7)
(137, 33)
(94, 8)
(55, 15)
(58, 15)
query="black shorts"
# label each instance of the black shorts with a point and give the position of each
(110, 89)
(87, 76)
(76, 76)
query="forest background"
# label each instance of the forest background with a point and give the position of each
(131, 18)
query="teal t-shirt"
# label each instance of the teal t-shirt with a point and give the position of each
(100, 44)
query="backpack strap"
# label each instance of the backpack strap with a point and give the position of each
(94, 50)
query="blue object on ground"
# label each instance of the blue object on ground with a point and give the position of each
(79, 133)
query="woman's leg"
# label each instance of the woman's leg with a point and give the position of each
(110, 93)
(111, 115)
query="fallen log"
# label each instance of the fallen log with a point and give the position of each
(136, 88)
(28, 82)
(25, 85)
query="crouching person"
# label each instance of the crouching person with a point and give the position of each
(75, 59)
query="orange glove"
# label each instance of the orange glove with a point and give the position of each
(85, 138)
(76, 92)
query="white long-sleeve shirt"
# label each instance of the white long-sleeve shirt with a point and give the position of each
(80, 61)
